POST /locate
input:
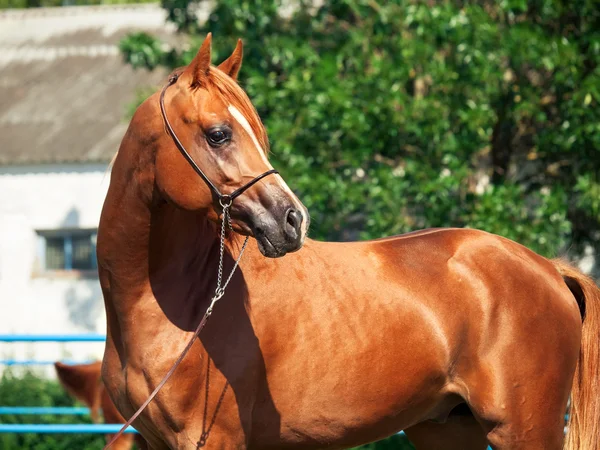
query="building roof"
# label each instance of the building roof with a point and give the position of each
(64, 88)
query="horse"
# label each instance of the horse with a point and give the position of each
(459, 337)
(83, 381)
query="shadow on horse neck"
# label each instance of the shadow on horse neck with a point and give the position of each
(178, 260)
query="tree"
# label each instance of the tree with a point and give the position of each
(5, 4)
(392, 116)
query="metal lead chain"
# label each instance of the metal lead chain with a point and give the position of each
(220, 290)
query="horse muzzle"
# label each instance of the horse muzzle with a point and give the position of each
(280, 234)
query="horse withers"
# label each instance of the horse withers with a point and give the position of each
(459, 337)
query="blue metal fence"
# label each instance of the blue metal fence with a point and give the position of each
(58, 410)
(54, 428)
(10, 338)
(42, 410)
(52, 338)
(96, 428)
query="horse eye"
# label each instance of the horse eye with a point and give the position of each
(217, 137)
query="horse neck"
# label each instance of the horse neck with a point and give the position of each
(150, 250)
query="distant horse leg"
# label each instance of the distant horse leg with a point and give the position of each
(460, 432)
(123, 443)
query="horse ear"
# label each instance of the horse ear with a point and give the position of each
(82, 382)
(231, 66)
(201, 63)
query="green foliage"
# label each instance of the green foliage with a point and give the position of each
(392, 116)
(588, 188)
(141, 50)
(4, 4)
(31, 390)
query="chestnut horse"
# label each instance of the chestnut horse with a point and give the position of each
(459, 337)
(83, 382)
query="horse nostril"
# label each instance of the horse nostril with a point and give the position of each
(294, 221)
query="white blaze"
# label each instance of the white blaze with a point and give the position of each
(237, 115)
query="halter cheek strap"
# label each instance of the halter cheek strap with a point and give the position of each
(224, 199)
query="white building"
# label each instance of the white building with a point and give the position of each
(64, 95)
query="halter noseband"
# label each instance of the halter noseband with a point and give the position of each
(224, 199)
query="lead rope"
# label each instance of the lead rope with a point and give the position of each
(219, 292)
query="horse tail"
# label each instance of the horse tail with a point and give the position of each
(583, 431)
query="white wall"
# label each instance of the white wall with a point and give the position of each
(48, 197)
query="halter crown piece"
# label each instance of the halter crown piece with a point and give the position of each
(225, 200)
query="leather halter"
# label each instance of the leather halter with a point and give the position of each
(224, 199)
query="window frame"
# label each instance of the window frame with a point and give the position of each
(67, 234)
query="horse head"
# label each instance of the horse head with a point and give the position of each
(213, 130)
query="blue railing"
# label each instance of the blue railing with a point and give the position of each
(54, 428)
(52, 338)
(58, 410)
(42, 410)
(96, 428)
(47, 338)
(38, 362)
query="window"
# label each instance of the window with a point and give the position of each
(68, 250)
